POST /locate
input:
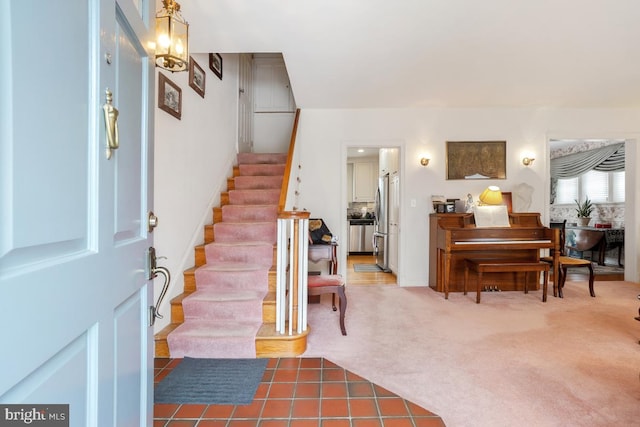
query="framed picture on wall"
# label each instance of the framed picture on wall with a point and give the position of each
(476, 160)
(169, 96)
(197, 77)
(215, 63)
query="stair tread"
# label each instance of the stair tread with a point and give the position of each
(197, 328)
(226, 294)
(233, 266)
(263, 158)
(244, 224)
(162, 335)
(270, 297)
(256, 206)
(254, 190)
(242, 243)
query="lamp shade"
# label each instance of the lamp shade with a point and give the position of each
(172, 38)
(491, 196)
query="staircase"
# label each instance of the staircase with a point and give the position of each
(227, 308)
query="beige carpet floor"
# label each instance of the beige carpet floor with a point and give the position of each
(511, 360)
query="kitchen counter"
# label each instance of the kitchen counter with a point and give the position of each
(361, 235)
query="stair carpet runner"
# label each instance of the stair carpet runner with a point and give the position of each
(224, 314)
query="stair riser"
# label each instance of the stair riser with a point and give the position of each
(261, 170)
(223, 310)
(273, 282)
(200, 256)
(261, 255)
(261, 158)
(256, 213)
(245, 280)
(219, 347)
(245, 182)
(231, 183)
(269, 312)
(254, 197)
(253, 232)
(209, 235)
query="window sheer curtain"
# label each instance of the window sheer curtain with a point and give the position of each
(605, 159)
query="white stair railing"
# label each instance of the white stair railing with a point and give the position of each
(291, 273)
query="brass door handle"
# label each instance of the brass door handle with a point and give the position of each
(111, 123)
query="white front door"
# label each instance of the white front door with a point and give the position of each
(74, 294)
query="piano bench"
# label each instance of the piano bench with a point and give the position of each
(486, 265)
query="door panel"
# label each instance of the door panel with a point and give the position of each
(29, 207)
(129, 352)
(74, 297)
(129, 158)
(69, 367)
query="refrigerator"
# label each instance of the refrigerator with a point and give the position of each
(381, 231)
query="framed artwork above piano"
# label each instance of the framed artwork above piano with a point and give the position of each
(476, 160)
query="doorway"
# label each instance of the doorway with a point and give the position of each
(372, 258)
(606, 228)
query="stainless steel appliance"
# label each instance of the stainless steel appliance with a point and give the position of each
(380, 235)
(361, 236)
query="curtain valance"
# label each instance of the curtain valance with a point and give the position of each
(605, 159)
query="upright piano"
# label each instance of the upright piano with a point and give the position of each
(454, 237)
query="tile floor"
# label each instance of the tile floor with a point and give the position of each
(300, 392)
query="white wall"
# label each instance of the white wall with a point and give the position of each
(193, 158)
(324, 135)
(272, 132)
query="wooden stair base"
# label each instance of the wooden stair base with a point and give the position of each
(161, 349)
(269, 343)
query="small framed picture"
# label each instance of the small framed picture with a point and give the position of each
(169, 96)
(197, 77)
(215, 63)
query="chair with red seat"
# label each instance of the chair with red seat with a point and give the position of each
(330, 284)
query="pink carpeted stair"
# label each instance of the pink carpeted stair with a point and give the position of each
(223, 315)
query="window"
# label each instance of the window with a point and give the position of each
(600, 187)
(567, 191)
(595, 186)
(618, 186)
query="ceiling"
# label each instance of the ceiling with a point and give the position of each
(363, 152)
(436, 53)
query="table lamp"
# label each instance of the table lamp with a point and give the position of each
(491, 196)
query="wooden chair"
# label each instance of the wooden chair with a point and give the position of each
(568, 262)
(330, 284)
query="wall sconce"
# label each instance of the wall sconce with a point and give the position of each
(527, 161)
(424, 161)
(491, 196)
(172, 38)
